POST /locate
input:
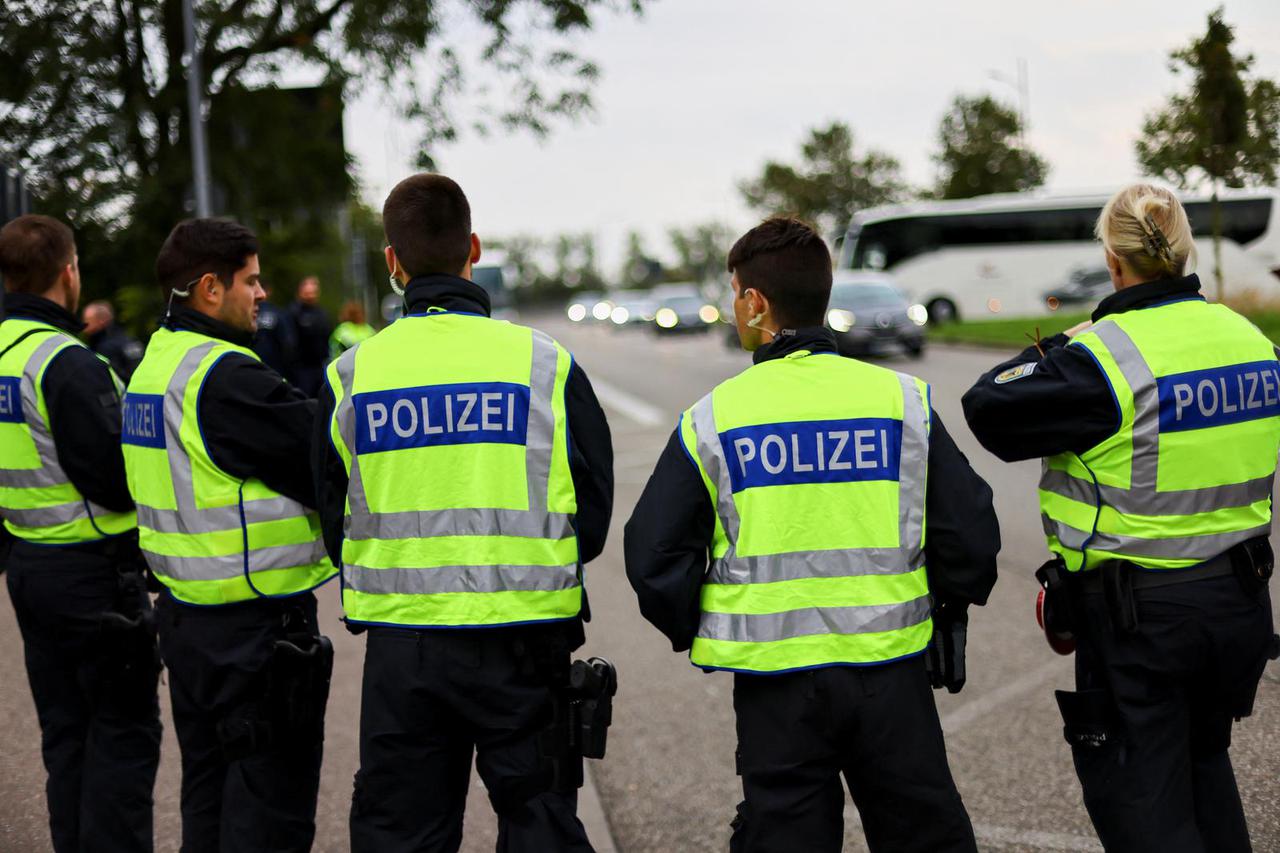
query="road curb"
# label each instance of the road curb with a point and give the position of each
(591, 813)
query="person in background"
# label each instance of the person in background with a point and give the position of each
(121, 350)
(74, 570)
(275, 341)
(352, 329)
(312, 327)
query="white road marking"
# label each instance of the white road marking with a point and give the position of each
(988, 702)
(628, 405)
(1012, 836)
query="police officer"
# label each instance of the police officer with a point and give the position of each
(351, 330)
(275, 342)
(466, 475)
(121, 350)
(216, 451)
(808, 479)
(74, 571)
(311, 330)
(1158, 426)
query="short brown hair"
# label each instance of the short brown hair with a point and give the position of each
(428, 223)
(198, 246)
(33, 251)
(786, 259)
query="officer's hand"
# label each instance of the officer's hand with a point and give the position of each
(1078, 328)
(944, 657)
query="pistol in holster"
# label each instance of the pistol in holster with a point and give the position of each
(582, 714)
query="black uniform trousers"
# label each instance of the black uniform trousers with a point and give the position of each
(95, 692)
(877, 725)
(1170, 691)
(431, 699)
(218, 659)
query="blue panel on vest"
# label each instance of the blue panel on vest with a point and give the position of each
(839, 451)
(10, 400)
(143, 420)
(1219, 396)
(432, 415)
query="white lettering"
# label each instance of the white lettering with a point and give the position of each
(833, 463)
(487, 410)
(822, 459)
(404, 407)
(377, 415)
(746, 450)
(1208, 410)
(448, 412)
(6, 400)
(1182, 397)
(469, 400)
(884, 448)
(1268, 388)
(427, 428)
(511, 412)
(796, 464)
(772, 440)
(1227, 408)
(861, 448)
(1253, 391)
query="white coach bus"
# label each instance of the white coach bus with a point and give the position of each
(1002, 255)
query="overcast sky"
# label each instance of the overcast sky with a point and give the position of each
(697, 94)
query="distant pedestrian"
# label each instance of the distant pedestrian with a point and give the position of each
(275, 341)
(121, 350)
(74, 570)
(312, 326)
(352, 329)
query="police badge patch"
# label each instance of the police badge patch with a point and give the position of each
(1020, 372)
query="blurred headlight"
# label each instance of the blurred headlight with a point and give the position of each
(620, 315)
(918, 314)
(601, 310)
(1054, 303)
(708, 313)
(993, 305)
(840, 319)
(577, 312)
(666, 318)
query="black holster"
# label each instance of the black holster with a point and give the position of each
(1059, 604)
(581, 716)
(944, 657)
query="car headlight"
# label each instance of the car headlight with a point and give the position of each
(918, 314)
(709, 313)
(840, 319)
(577, 312)
(619, 315)
(666, 318)
(602, 310)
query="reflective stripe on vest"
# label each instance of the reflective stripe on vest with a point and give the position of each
(844, 604)
(255, 544)
(38, 502)
(469, 556)
(1138, 521)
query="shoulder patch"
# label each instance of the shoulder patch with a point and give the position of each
(1022, 371)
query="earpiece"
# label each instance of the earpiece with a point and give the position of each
(396, 285)
(754, 322)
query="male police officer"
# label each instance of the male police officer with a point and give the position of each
(75, 574)
(1159, 430)
(807, 478)
(466, 476)
(216, 450)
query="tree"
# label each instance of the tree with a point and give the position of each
(980, 151)
(830, 183)
(700, 251)
(96, 110)
(1226, 129)
(639, 268)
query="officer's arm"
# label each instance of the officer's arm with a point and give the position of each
(1032, 406)
(257, 425)
(330, 476)
(590, 463)
(962, 535)
(84, 416)
(666, 543)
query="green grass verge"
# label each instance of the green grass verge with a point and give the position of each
(1013, 333)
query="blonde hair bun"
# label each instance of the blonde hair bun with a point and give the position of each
(1146, 227)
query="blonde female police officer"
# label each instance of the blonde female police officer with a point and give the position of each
(1158, 424)
(806, 478)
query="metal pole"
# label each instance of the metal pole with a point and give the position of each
(1024, 98)
(195, 111)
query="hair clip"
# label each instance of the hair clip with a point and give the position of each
(1155, 241)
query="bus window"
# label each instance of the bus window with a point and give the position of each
(1243, 220)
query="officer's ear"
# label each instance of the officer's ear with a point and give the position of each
(389, 255)
(475, 250)
(207, 290)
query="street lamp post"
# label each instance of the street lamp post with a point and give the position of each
(1020, 83)
(195, 110)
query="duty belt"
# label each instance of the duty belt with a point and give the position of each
(1090, 582)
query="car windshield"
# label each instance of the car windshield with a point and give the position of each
(865, 296)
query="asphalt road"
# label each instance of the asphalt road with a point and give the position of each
(668, 783)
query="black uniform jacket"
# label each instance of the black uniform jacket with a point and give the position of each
(1065, 404)
(668, 538)
(255, 424)
(591, 447)
(84, 408)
